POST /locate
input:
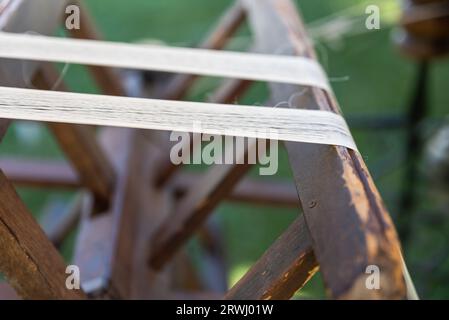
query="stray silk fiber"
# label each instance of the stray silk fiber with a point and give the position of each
(310, 126)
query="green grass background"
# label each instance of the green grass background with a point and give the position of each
(378, 81)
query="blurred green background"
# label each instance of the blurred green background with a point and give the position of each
(369, 77)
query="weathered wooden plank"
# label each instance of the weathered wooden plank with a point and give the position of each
(29, 261)
(282, 270)
(348, 223)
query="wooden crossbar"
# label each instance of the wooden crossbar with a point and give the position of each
(344, 227)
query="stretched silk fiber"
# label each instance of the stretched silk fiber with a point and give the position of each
(249, 66)
(311, 126)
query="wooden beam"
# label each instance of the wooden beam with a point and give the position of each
(299, 125)
(193, 209)
(110, 246)
(282, 270)
(28, 259)
(80, 145)
(40, 173)
(177, 88)
(226, 93)
(58, 174)
(258, 191)
(217, 39)
(348, 223)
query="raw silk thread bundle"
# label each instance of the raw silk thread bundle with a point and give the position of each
(298, 125)
(311, 126)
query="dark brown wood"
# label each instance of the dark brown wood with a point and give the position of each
(283, 269)
(29, 261)
(40, 173)
(425, 29)
(258, 191)
(348, 223)
(80, 145)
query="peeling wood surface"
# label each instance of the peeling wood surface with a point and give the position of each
(226, 64)
(349, 226)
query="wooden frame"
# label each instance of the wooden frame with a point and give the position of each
(133, 208)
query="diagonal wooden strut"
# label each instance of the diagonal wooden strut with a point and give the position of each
(344, 225)
(348, 223)
(30, 262)
(282, 270)
(79, 143)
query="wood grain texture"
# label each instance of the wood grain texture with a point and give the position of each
(282, 270)
(349, 225)
(257, 191)
(204, 62)
(28, 260)
(311, 126)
